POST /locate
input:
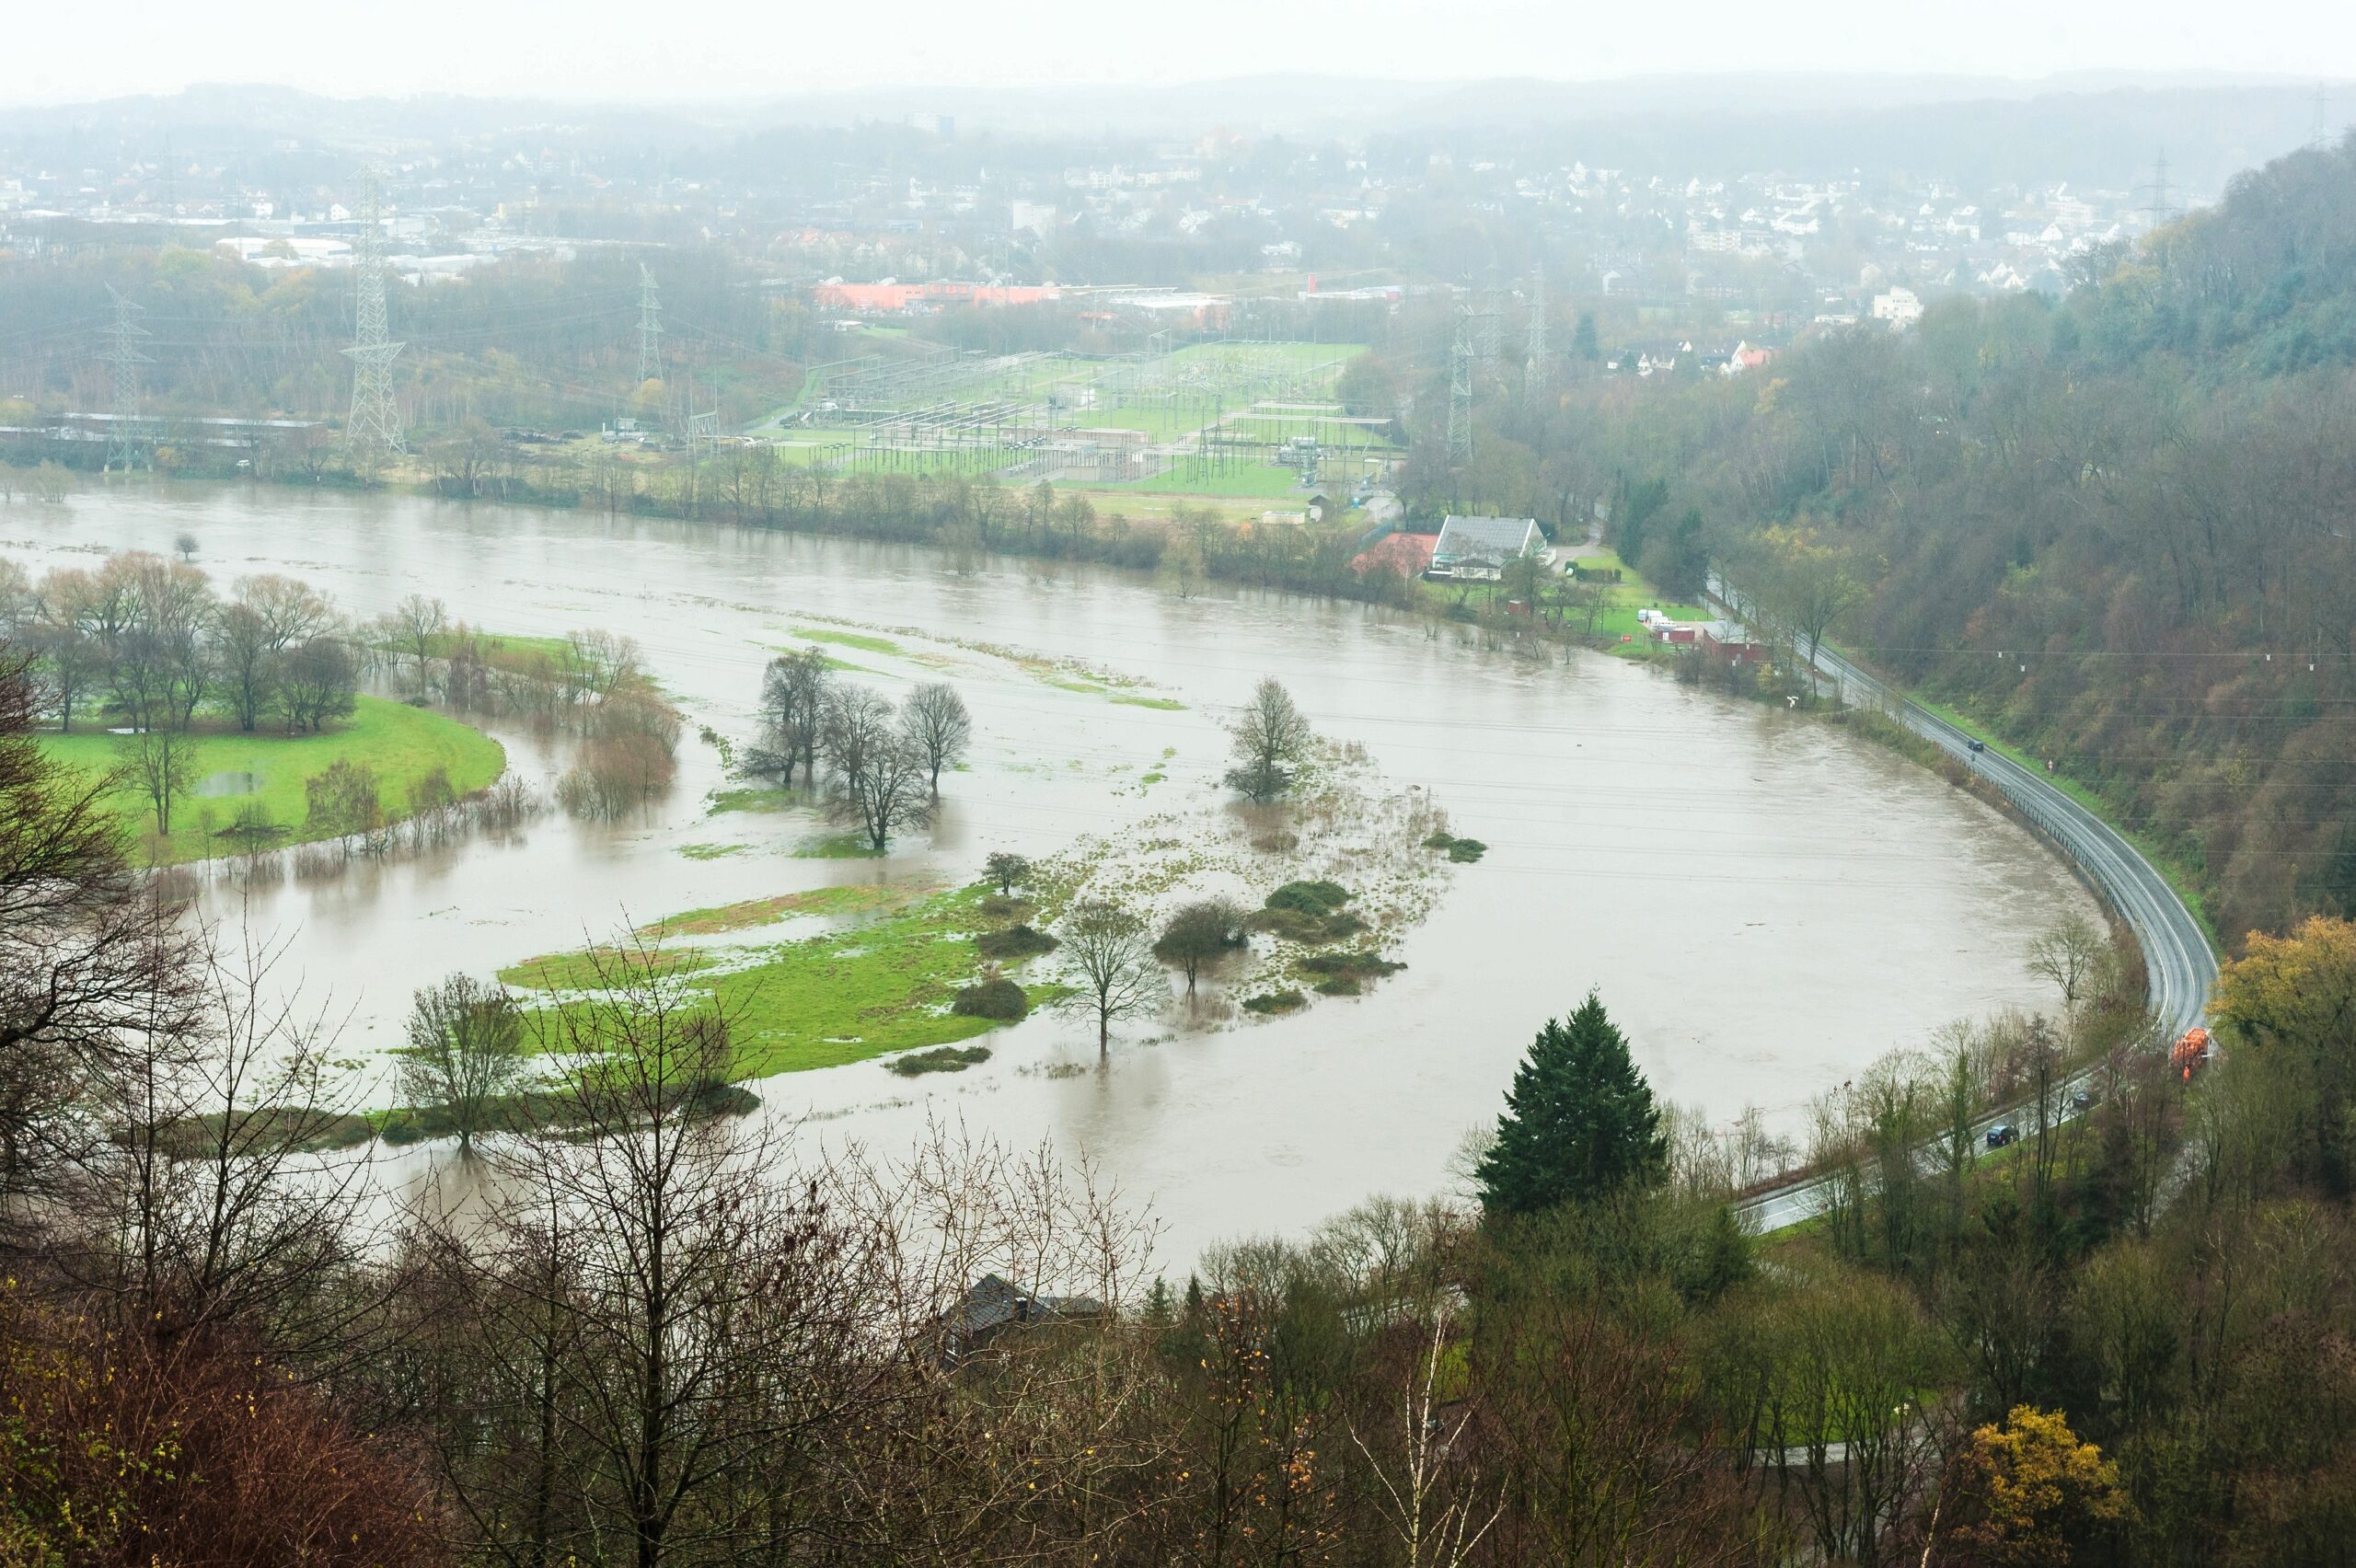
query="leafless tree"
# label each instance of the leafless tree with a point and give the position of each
(677, 1316)
(877, 777)
(414, 624)
(318, 679)
(60, 633)
(1422, 1496)
(1270, 736)
(1199, 934)
(161, 764)
(465, 1050)
(92, 961)
(211, 1205)
(938, 727)
(2069, 953)
(1111, 964)
(795, 693)
(155, 616)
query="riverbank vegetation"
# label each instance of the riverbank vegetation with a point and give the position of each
(228, 726)
(660, 1334)
(2110, 529)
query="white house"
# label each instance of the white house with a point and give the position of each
(1477, 549)
(1900, 308)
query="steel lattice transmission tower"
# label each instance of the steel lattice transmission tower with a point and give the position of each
(650, 326)
(2161, 206)
(1493, 341)
(375, 423)
(1460, 392)
(1537, 370)
(122, 359)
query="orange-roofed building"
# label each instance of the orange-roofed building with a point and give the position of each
(1409, 555)
(899, 299)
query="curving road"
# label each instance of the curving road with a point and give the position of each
(2181, 966)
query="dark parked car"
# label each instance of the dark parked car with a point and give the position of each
(1975, 746)
(2004, 1135)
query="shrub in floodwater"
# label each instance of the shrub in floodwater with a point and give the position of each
(1014, 942)
(1369, 966)
(995, 997)
(1339, 985)
(1309, 897)
(996, 906)
(617, 774)
(1464, 851)
(940, 1059)
(1275, 1002)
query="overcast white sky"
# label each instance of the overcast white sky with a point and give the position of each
(683, 49)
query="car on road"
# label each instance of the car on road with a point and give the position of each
(2004, 1135)
(1975, 747)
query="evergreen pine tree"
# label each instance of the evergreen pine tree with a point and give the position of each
(1579, 1121)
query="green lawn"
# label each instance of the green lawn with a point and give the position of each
(876, 987)
(1258, 480)
(400, 742)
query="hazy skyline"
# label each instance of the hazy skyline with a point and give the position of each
(606, 49)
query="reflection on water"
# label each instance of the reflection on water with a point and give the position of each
(1766, 904)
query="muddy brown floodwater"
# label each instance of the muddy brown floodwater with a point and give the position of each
(1766, 904)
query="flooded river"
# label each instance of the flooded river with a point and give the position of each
(1766, 904)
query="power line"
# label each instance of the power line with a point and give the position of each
(375, 423)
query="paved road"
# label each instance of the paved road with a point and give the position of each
(2176, 955)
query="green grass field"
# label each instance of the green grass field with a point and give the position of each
(400, 742)
(1168, 400)
(876, 987)
(1261, 481)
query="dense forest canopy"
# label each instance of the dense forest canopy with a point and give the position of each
(2122, 528)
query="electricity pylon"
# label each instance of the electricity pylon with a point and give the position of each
(374, 426)
(122, 359)
(1537, 370)
(650, 328)
(1460, 392)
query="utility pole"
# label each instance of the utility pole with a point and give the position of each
(122, 359)
(374, 427)
(1460, 392)
(2322, 114)
(650, 326)
(1537, 370)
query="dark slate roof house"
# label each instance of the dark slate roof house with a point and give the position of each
(992, 1305)
(1480, 547)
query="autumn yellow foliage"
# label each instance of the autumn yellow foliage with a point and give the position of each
(2297, 990)
(2032, 1493)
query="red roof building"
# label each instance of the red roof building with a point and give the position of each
(1409, 555)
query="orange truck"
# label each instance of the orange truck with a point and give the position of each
(2189, 1053)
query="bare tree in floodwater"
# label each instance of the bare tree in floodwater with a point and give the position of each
(938, 726)
(465, 1051)
(796, 691)
(1269, 736)
(1112, 968)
